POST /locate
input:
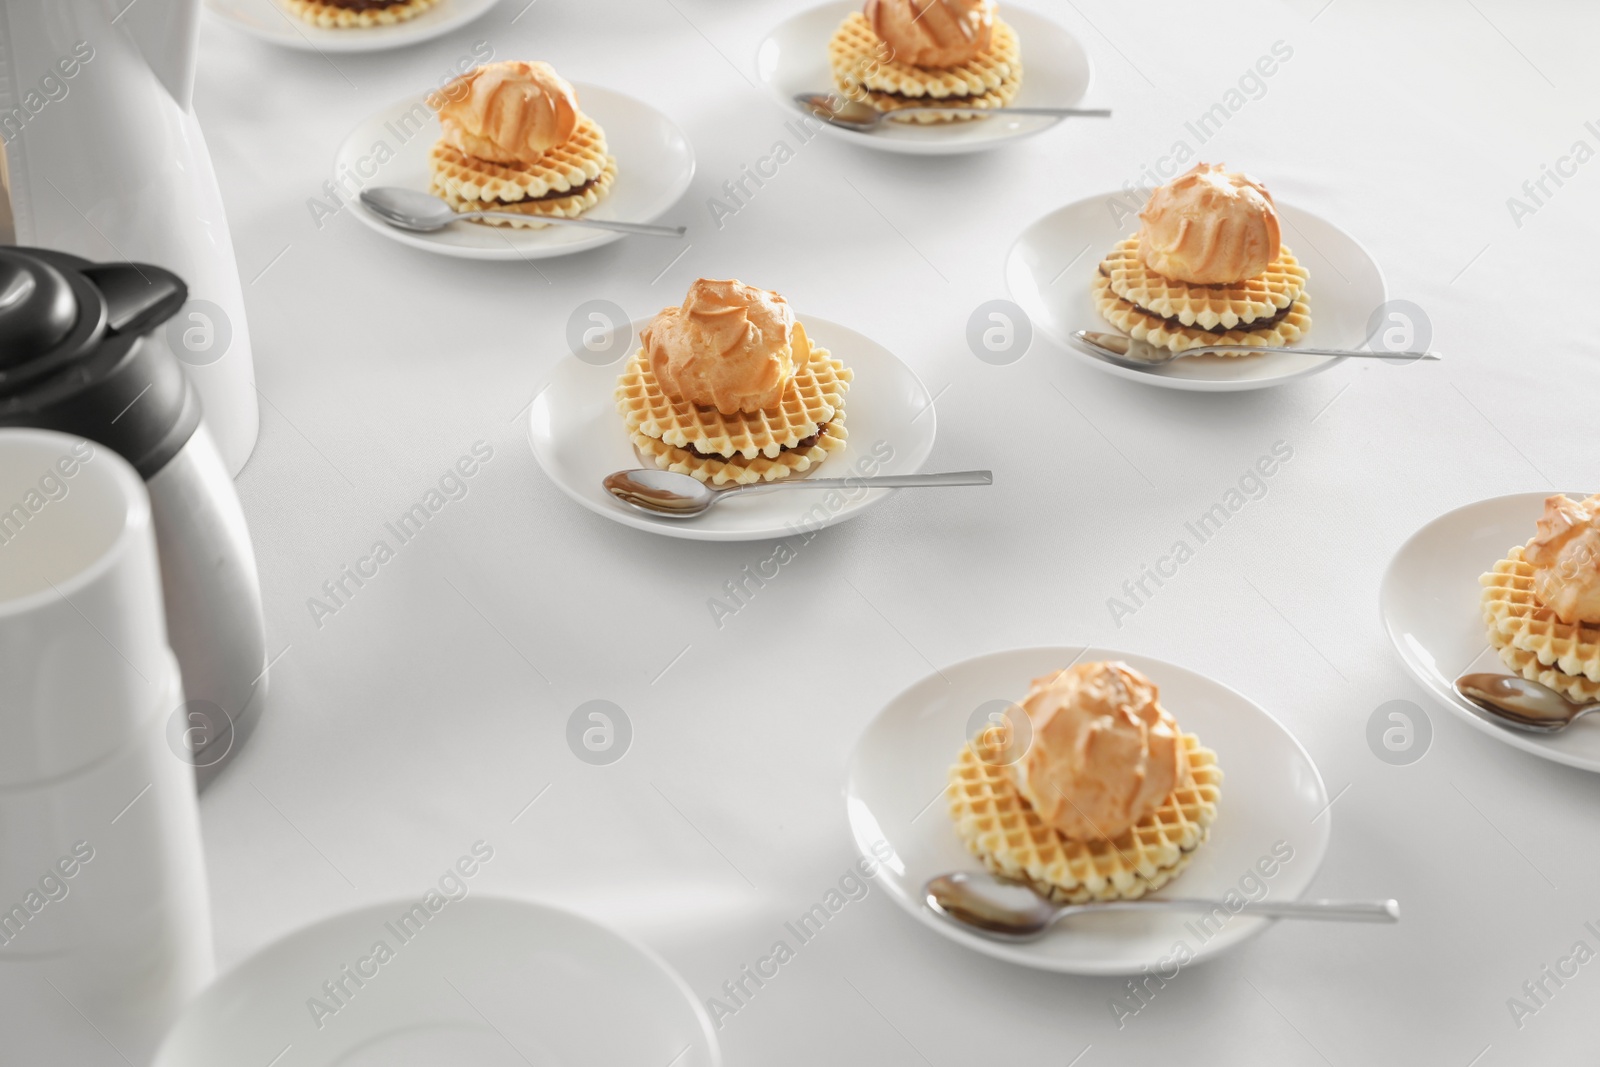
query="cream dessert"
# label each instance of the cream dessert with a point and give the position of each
(1207, 266)
(1108, 800)
(729, 346)
(728, 387)
(896, 54)
(515, 140)
(1105, 753)
(1565, 557)
(1541, 603)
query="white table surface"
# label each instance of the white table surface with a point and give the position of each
(432, 708)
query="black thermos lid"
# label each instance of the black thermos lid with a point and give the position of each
(71, 358)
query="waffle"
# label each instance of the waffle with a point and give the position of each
(333, 17)
(1136, 322)
(1210, 306)
(1532, 641)
(814, 397)
(863, 71)
(571, 206)
(1000, 828)
(738, 470)
(581, 158)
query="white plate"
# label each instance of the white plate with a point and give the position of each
(794, 59)
(1430, 605)
(486, 981)
(655, 164)
(579, 438)
(1050, 268)
(1271, 792)
(272, 22)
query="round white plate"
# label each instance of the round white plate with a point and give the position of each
(655, 164)
(579, 438)
(485, 981)
(1271, 792)
(274, 23)
(1430, 605)
(794, 59)
(1050, 268)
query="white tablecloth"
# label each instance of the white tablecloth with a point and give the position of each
(431, 708)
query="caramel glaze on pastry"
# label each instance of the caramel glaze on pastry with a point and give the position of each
(1104, 752)
(1565, 556)
(932, 33)
(508, 112)
(728, 346)
(1210, 227)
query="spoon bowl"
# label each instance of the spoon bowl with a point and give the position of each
(1521, 703)
(847, 114)
(419, 212)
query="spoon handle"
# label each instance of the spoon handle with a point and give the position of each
(1355, 911)
(1337, 352)
(1059, 112)
(644, 228)
(885, 481)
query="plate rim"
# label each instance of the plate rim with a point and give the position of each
(1018, 955)
(1192, 385)
(513, 252)
(1533, 744)
(359, 44)
(234, 974)
(930, 147)
(686, 531)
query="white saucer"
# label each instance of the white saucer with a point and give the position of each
(1051, 266)
(1271, 792)
(794, 59)
(270, 21)
(655, 164)
(579, 438)
(1430, 605)
(485, 981)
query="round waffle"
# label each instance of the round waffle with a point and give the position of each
(737, 470)
(863, 71)
(1162, 333)
(572, 205)
(334, 17)
(1532, 640)
(1000, 828)
(579, 159)
(814, 396)
(1209, 306)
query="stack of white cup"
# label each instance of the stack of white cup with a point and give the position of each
(105, 925)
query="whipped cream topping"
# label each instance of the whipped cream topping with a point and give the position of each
(932, 33)
(728, 346)
(1104, 753)
(1565, 556)
(1209, 227)
(508, 112)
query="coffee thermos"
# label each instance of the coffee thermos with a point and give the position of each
(105, 928)
(79, 354)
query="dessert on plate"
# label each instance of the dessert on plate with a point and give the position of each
(728, 387)
(515, 140)
(926, 53)
(1542, 602)
(357, 14)
(1109, 799)
(1207, 267)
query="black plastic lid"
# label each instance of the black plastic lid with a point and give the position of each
(73, 356)
(37, 308)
